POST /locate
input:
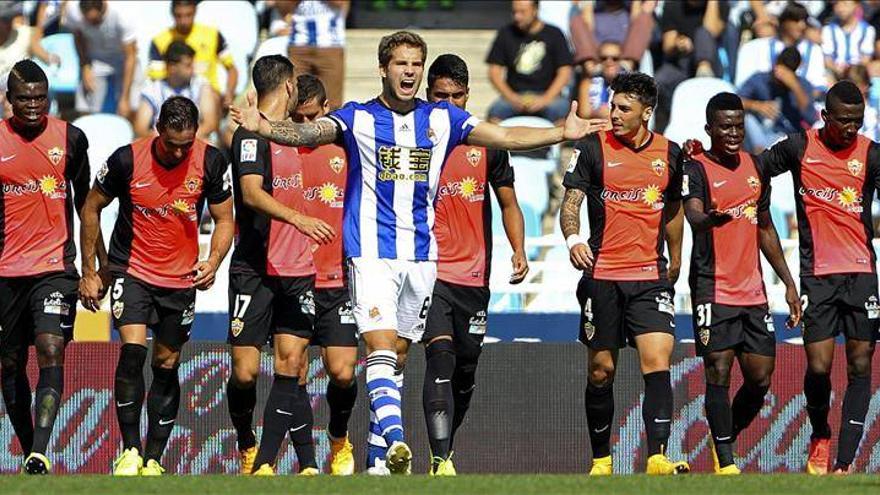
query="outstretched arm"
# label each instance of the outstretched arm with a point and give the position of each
(526, 138)
(323, 131)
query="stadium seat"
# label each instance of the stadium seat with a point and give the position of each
(552, 152)
(63, 78)
(152, 17)
(237, 21)
(272, 46)
(531, 181)
(745, 57)
(688, 114)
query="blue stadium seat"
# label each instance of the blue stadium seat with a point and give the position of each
(532, 186)
(63, 78)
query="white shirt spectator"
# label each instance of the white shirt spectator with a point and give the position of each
(156, 92)
(105, 41)
(759, 55)
(848, 48)
(317, 23)
(17, 47)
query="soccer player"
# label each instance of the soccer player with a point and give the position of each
(727, 200)
(324, 171)
(44, 171)
(396, 146)
(271, 279)
(456, 323)
(162, 183)
(836, 173)
(632, 180)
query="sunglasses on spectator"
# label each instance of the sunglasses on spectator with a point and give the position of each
(610, 58)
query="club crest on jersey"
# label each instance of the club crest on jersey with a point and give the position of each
(236, 326)
(374, 313)
(336, 163)
(704, 336)
(192, 183)
(754, 183)
(55, 154)
(473, 156)
(855, 167)
(118, 308)
(589, 330)
(659, 166)
(432, 136)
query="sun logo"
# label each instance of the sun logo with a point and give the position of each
(468, 187)
(651, 195)
(848, 197)
(180, 206)
(754, 183)
(55, 154)
(48, 185)
(855, 167)
(328, 192)
(659, 166)
(751, 212)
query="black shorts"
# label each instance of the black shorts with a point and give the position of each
(460, 312)
(719, 327)
(38, 304)
(168, 312)
(613, 313)
(835, 304)
(334, 320)
(261, 306)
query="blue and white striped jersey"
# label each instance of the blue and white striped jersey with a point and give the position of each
(848, 48)
(394, 164)
(319, 24)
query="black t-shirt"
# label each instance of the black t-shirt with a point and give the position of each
(684, 18)
(531, 59)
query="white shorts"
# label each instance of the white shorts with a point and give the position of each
(391, 294)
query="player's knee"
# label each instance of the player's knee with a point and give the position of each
(245, 377)
(50, 351)
(859, 366)
(601, 375)
(166, 359)
(818, 365)
(438, 347)
(341, 374)
(288, 364)
(718, 373)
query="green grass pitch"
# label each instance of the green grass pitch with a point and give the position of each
(798, 484)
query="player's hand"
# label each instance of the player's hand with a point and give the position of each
(581, 257)
(205, 273)
(249, 116)
(673, 271)
(226, 102)
(88, 79)
(683, 44)
(718, 217)
(768, 109)
(123, 108)
(91, 291)
(577, 128)
(314, 228)
(520, 267)
(692, 148)
(795, 311)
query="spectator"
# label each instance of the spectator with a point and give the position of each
(280, 17)
(847, 40)
(762, 53)
(691, 31)
(317, 43)
(858, 74)
(180, 80)
(537, 63)
(609, 21)
(46, 19)
(593, 90)
(210, 47)
(777, 103)
(105, 42)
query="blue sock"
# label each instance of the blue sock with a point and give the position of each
(385, 395)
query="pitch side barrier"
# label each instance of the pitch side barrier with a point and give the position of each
(526, 417)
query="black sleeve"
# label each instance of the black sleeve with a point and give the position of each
(766, 189)
(587, 156)
(500, 173)
(784, 155)
(250, 153)
(77, 171)
(673, 189)
(670, 19)
(114, 177)
(216, 188)
(497, 54)
(692, 183)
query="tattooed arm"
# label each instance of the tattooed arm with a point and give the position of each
(323, 131)
(570, 220)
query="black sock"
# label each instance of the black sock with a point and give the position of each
(341, 402)
(277, 418)
(720, 419)
(599, 402)
(437, 399)
(162, 403)
(463, 385)
(50, 387)
(747, 404)
(852, 418)
(129, 393)
(241, 402)
(657, 410)
(17, 398)
(817, 389)
(301, 430)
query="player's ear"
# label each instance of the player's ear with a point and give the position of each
(383, 72)
(647, 113)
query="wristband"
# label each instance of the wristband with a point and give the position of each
(573, 240)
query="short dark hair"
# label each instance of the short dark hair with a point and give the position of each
(720, 103)
(183, 3)
(637, 84)
(25, 72)
(845, 92)
(86, 6)
(270, 72)
(176, 51)
(449, 66)
(309, 86)
(793, 12)
(388, 43)
(790, 57)
(178, 113)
